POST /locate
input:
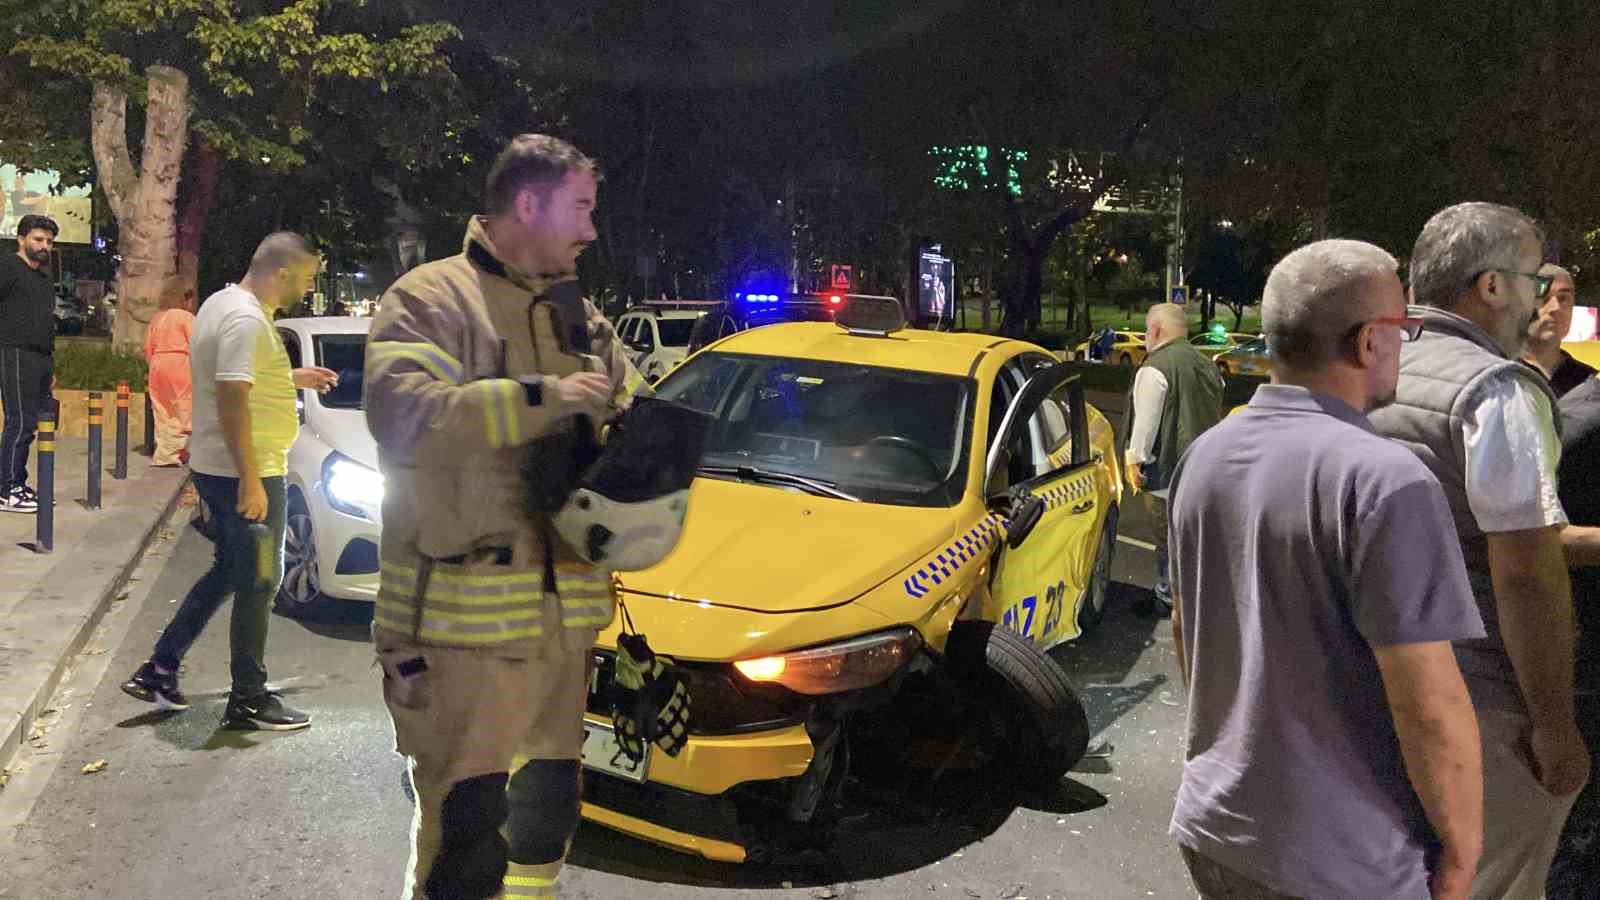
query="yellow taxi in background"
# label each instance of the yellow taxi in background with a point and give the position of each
(889, 529)
(1214, 342)
(1584, 351)
(1127, 349)
(1249, 358)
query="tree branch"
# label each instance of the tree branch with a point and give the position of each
(108, 130)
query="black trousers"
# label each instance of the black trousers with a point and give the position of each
(24, 389)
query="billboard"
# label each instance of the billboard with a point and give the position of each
(936, 287)
(1585, 324)
(36, 193)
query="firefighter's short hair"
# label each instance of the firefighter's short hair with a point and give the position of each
(531, 161)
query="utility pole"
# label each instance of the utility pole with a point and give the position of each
(1175, 249)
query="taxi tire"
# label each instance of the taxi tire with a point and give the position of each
(1093, 609)
(1053, 726)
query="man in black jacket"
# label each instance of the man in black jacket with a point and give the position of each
(27, 337)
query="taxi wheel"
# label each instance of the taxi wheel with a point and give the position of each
(1093, 607)
(1039, 721)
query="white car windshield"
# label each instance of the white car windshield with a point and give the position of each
(881, 435)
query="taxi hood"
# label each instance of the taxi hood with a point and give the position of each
(773, 550)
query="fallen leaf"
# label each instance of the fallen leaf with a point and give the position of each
(1012, 893)
(824, 893)
(96, 766)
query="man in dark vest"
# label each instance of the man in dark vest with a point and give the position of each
(1484, 424)
(1177, 394)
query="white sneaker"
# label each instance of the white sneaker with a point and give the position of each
(20, 499)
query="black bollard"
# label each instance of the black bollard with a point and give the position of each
(149, 448)
(119, 467)
(96, 428)
(45, 535)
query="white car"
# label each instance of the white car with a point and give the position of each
(657, 335)
(335, 489)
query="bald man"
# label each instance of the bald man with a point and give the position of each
(1177, 395)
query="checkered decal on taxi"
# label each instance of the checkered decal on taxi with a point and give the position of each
(976, 542)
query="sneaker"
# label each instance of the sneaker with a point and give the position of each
(151, 686)
(20, 499)
(263, 712)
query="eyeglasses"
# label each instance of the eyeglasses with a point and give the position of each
(1410, 326)
(1541, 282)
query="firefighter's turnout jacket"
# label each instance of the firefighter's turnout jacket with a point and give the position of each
(461, 563)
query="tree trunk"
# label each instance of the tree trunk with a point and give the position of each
(108, 130)
(149, 252)
(192, 227)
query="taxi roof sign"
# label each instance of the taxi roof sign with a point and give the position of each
(871, 316)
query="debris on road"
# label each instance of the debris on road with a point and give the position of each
(98, 765)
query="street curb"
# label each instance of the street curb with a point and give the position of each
(15, 732)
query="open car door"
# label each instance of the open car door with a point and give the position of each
(1039, 474)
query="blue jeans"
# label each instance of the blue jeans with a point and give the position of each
(249, 565)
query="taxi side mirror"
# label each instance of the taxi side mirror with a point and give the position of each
(1024, 511)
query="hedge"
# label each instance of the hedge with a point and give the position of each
(97, 367)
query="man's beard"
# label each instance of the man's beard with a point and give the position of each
(39, 256)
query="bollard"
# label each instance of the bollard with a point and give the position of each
(149, 448)
(45, 536)
(119, 466)
(96, 427)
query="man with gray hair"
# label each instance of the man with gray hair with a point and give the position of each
(1176, 395)
(1332, 749)
(1483, 423)
(1552, 324)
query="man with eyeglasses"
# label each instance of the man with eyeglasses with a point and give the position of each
(1332, 748)
(1484, 424)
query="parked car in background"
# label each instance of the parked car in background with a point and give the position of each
(69, 319)
(1214, 342)
(1127, 349)
(657, 334)
(335, 489)
(1250, 358)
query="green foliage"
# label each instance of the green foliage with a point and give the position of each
(254, 68)
(83, 366)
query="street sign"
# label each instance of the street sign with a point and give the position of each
(1180, 294)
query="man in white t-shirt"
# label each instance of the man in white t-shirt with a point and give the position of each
(244, 421)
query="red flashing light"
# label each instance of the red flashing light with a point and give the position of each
(835, 300)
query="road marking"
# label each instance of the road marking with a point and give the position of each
(1135, 542)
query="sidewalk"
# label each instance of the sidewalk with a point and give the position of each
(50, 603)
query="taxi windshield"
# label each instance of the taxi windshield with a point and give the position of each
(880, 435)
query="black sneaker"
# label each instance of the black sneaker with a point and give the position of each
(263, 712)
(20, 499)
(153, 687)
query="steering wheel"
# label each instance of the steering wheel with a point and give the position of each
(921, 452)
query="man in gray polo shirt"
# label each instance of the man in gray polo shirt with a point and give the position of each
(1332, 748)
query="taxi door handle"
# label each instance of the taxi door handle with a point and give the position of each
(1081, 508)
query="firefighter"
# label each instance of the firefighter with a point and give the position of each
(485, 619)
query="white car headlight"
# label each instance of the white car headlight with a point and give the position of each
(352, 488)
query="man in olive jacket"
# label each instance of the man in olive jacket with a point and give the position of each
(1177, 395)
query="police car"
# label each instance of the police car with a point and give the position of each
(889, 529)
(657, 334)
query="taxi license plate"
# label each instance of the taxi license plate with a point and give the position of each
(602, 753)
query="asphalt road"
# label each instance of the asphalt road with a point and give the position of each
(182, 810)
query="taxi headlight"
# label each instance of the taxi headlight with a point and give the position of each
(352, 488)
(846, 666)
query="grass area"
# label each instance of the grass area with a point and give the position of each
(1053, 318)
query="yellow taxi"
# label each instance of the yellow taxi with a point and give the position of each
(1584, 351)
(889, 529)
(1127, 349)
(1217, 341)
(1249, 358)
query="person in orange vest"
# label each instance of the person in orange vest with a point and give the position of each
(166, 349)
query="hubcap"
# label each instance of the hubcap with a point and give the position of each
(300, 585)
